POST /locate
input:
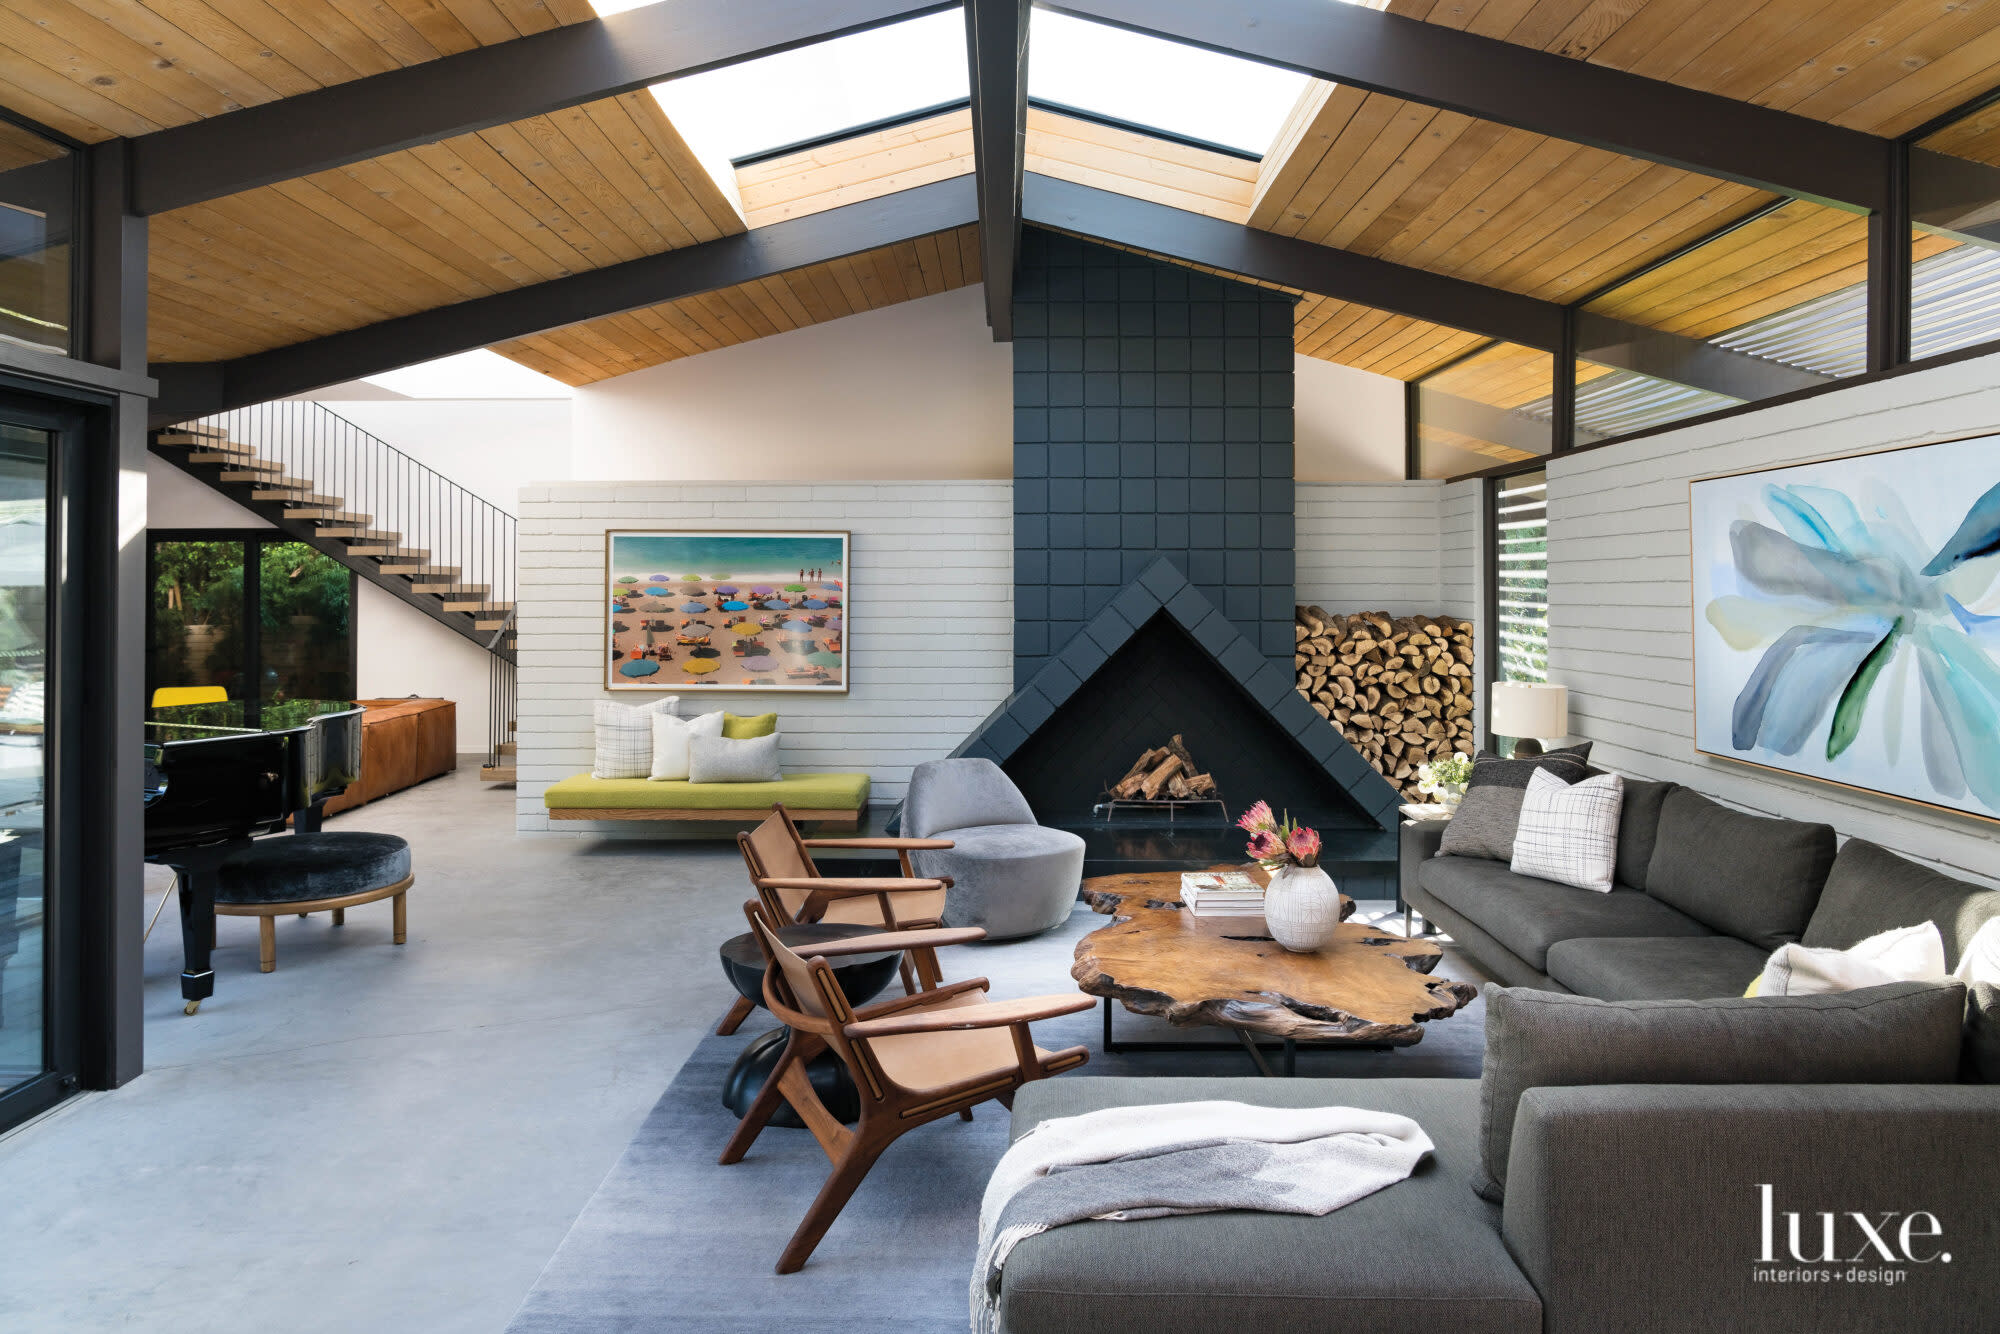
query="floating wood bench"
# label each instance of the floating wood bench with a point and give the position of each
(834, 799)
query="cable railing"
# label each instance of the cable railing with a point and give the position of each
(383, 502)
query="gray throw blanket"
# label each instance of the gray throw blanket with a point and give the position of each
(1127, 1163)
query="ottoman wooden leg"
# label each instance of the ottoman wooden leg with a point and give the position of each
(267, 944)
(340, 917)
(401, 919)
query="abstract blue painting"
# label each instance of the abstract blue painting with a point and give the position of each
(1847, 621)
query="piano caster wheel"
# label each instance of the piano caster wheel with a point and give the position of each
(191, 1007)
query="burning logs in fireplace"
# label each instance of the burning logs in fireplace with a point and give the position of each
(1164, 773)
(1399, 688)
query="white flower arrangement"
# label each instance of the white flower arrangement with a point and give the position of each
(1444, 780)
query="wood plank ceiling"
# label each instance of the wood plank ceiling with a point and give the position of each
(583, 188)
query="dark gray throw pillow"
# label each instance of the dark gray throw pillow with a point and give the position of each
(1486, 820)
(1903, 1033)
(1747, 876)
(1639, 828)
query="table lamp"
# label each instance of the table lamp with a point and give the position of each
(1528, 711)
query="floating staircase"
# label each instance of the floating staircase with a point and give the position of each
(402, 526)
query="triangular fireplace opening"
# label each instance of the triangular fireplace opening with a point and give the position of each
(1161, 659)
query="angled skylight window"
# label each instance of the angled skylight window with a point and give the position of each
(819, 90)
(1159, 84)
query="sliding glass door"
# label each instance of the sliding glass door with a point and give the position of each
(32, 1056)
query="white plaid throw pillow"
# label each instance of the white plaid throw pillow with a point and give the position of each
(625, 737)
(1569, 831)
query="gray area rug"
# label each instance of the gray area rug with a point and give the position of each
(674, 1242)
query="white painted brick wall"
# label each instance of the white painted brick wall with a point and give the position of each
(931, 621)
(1620, 595)
(1370, 546)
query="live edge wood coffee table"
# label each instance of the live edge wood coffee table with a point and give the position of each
(1363, 988)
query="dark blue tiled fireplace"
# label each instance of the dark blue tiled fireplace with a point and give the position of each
(1154, 552)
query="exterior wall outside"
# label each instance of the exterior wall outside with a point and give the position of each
(1620, 594)
(1371, 546)
(930, 610)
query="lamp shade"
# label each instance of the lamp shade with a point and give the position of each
(1526, 709)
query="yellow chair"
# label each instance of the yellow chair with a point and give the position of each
(167, 695)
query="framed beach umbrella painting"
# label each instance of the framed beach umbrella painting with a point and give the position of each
(726, 611)
(1847, 621)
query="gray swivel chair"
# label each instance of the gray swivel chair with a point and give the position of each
(1009, 875)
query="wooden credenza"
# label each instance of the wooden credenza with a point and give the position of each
(403, 742)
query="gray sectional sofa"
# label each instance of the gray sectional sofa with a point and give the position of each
(1633, 1201)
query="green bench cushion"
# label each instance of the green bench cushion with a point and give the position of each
(847, 792)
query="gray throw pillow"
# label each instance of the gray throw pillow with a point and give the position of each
(1746, 876)
(1904, 1033)
(1487, 818)
(721, 759)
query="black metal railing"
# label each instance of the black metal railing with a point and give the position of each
(448, 533)
(501, 698)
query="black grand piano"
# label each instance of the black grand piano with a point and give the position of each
(218, 775)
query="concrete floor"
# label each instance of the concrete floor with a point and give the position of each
(377, 1138)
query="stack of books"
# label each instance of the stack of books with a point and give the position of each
(1222, 894)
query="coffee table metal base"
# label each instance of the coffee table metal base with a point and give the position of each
(1288, 1050)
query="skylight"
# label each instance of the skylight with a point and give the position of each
(817, 90)
(1163, 85)
(480, 374)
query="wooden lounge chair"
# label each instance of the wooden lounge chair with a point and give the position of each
(914, 1059)
(779, 859)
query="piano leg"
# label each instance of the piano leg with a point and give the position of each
(197, 896)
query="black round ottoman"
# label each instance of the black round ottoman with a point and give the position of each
(309, 873)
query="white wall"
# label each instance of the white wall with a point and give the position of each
(1462, 561)
(1620, 596)
(1370, 546)
(917, 390)
(1348, 423)
(491, 447)
(930, 616)
(176, 500)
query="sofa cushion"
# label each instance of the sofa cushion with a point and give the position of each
(1529, 915)
(1420, 1255)
(847, 792)
(1639, 828)
(1484, 824)
(1747, 876)
(1904, 1033)
(1659, 968)
(1871, 890)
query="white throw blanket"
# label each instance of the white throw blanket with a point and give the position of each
(1127, 1163)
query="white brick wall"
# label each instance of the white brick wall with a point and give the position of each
(1370, 546)
(1620, 595)
(931, 618)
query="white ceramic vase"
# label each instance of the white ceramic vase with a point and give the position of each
(1301, 907)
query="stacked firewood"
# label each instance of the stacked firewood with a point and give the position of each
(1164, 773)
(1398, 688)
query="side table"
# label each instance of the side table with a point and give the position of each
(1417, 842)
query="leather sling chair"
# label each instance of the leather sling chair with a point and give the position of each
(914, 1059)
(779, 859)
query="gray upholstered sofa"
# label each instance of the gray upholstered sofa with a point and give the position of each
(1630, 1207)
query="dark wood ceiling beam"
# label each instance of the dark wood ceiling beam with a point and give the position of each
(1286, 261)
(1531, 90)
(996, 37)
(1606, 341)
(193, 389)
(477, 89)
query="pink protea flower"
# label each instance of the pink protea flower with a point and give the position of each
(1266, 845)
(1303, 845)
(1257, 817)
